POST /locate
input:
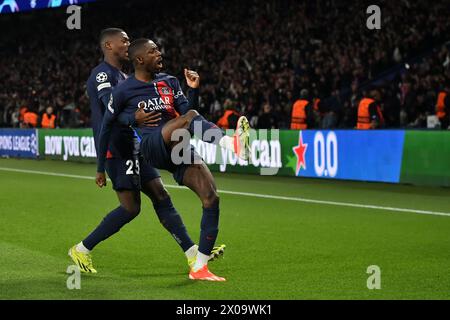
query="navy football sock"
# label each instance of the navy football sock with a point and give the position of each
(205, 130)
(209, 229)
(171, 220)
(111, 223)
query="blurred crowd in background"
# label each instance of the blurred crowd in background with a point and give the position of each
(255, 58)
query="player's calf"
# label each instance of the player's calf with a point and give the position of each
(172, 222)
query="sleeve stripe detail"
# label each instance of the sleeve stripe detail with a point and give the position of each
(103, 86)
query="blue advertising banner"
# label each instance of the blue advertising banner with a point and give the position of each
(11, 6)
(354, 155)
(19, 143)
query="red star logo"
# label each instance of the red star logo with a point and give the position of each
(300, 152)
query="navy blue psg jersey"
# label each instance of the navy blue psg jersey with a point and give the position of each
(102, 80)
(163, 94)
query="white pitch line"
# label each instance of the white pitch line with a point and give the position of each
(256, 195)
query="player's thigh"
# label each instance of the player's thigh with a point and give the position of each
(124, 174)
(199, 179)
(181, 122)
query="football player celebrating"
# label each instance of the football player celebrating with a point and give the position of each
(150, 90)
(128, 174)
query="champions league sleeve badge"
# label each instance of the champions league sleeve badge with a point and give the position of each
(101, 77)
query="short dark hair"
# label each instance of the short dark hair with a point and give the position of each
(105, 33)
(135, 46)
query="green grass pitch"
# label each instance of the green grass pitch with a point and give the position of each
(276, 248)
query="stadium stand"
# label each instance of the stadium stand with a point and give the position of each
(253, 53)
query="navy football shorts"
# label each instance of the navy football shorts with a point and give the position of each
(129, 174)
(158, 155)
